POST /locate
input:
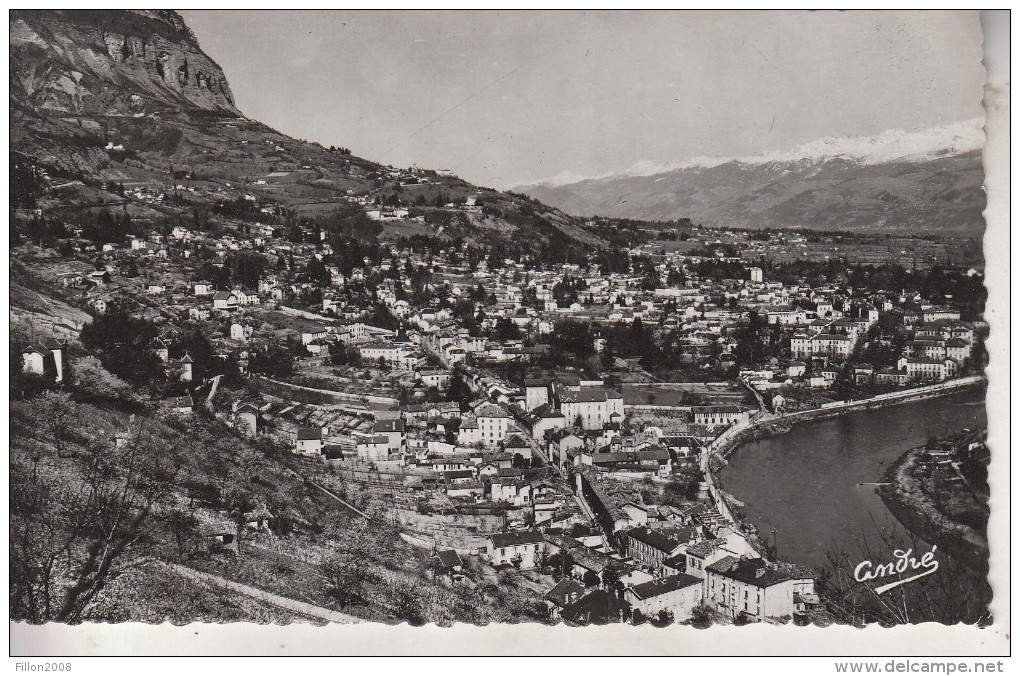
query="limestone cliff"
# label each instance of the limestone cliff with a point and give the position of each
(112, 62)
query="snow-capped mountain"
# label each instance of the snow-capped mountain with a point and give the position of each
(894, 181)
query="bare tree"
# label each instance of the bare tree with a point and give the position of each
(953, 593)
(347, 570)
(183, 526)
(409, 603)
(72, 529)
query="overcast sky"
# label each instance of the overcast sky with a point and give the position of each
(501, 98)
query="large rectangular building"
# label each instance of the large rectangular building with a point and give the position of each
(594, 407)
(758, 589)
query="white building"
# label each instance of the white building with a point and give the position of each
(521, 547)
(308, 441)
(712, 416)
(34, 359)
(240, 331)
(434, 378)
(373, 448)
(928, 370)
(822, 345)
(390, 353)
(312, 333)
(758, 589)
(393, 430)
(595, 406)
(536, 393)
(678, 594)
(224, 300)
(493, 424)
(247, 297)
(936, 313)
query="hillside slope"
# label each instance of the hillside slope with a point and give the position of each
(129, 97)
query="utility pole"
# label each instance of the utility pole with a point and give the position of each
(775, 545)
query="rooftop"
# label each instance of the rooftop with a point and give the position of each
(309, 433)
(527, 537)
(758, 572)
(671, 583)
(654, 539)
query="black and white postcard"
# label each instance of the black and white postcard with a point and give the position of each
(361, 327)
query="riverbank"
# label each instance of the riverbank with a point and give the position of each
(906, 498)
(772, 424)
(836, 408)
(714, 456)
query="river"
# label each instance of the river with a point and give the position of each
(811, 484)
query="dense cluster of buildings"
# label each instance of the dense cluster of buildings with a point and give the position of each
(557, 453)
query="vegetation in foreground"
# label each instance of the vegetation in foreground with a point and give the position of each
(103, 486)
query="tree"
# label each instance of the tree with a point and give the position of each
(239, 503)
(121, 341)
(271, 360)
(408, 604)
(71, 532)
(59, 418)
(562, 562)
(506, 330)
(702, 616)
(343, 577)
(664, 618)
(591, 579)
(345, 571)
(458, 389)
(611, 580)
(183, 527)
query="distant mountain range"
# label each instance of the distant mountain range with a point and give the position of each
(898, 182)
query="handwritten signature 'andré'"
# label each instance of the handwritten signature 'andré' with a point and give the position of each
(866, 570)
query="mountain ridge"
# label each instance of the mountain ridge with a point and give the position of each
(888, 146)
(908, 183)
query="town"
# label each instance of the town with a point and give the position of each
(557, 419)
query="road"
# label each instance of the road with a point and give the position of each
(757, 395)
(300, 607)
(331, 494)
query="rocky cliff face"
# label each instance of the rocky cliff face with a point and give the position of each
(129, 97)
(112, 62)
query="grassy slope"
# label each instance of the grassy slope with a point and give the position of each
(308, 527)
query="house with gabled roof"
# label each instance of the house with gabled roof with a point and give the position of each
(678, 594)
(224, 300)
(373, 448)
(650, 547)
(564, 593)
(448, 562)
(393, 430)
(596, 607)
(516, 445)
(249, 418)
(519, 548)
(308, 441)
(182, 404)
(34, 359)
(493, 423)
(204, 288)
